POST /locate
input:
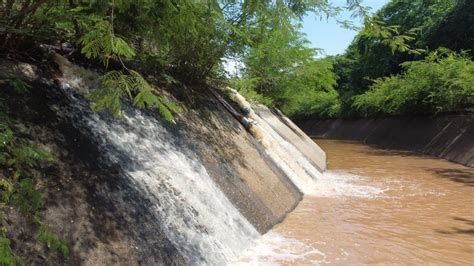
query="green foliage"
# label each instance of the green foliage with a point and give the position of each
(117, 83)
(6, 136)
(53, 241)
(18, 157)
(190, 35)
(412, 26)
(26, 155)
(311, 92)
(18, 85)
(246, 88)
(389, 36)
(442, 82)
(27, 198)
(320, 104)
(100, 42)
(17, 153)
(6, 191)
(7, 256)
(281, 70)
(277, 62)
(455, 30)
(189, 39)
(392, 36)
(107, 98)
(147, 98)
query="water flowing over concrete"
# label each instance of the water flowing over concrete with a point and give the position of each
(290, 160)
(196, 216)
(293, 134)
(278, 141)
(212, 188)
(200, 191)
(209, 189)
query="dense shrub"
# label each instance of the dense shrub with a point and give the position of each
(311, 93)
(314, 104)
(442, 82)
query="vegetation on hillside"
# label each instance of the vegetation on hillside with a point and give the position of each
(394, 65)
(132, 43)
(368, 63)
(442, 82)
(282, 70)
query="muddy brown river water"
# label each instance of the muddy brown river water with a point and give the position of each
(377, 206)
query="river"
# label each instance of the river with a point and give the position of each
(376, 206)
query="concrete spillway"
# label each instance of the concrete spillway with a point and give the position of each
(206, 187)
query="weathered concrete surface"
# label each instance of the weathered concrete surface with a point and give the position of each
(293, 134)
(107, 220)
(234, 159)
(447, 136)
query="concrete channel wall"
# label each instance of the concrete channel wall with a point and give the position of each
(448, 136)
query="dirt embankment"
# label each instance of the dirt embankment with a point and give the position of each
(448, 136)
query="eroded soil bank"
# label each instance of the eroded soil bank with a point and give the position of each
(447, 136)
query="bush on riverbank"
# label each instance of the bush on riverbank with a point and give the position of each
(386, 82)
(442, 82)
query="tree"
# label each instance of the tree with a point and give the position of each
(455, 30)
(368, 58)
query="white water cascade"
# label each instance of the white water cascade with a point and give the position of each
(285, 155)
(193, 212)
(296, 166)
(190, 208)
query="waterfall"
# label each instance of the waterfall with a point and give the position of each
(285, 155)
(193, 212)
(296, 166)
(190, 208)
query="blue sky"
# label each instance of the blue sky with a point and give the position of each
(325, 34)
(329, 35)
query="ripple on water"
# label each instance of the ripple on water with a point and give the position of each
(334, 184)
(275, 249)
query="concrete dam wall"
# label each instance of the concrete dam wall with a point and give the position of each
(140, 190)
(449, 136)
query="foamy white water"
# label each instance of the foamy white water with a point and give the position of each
(290, 160)
(275, 249)
(193, 212)
(285, 155)
(342, 184)
(191, 209)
